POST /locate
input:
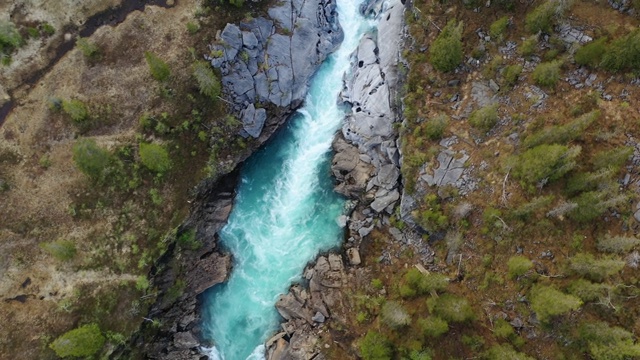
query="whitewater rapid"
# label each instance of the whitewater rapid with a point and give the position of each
(285, 211)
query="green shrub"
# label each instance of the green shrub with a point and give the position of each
(10, 38)
(48, 29)
(192, 27)
(502, 329)
(613, 159)
(433, 326)
(84, 341)
(485, 118)
(420, 283)
(394, 315)
(451, 308)
(158, 68)
(446, 49)
(529, 45)
(431, 217)
(208, 82)
(498, 27)
(586, 290)
(617, 244)
(541, 18)
(518, 266)
(548, 302)
(375, 346)
(592, 204)
(591, 54)
(511, 74)
(623, 53)
(76, 110)
(504, 352)
(435, 127)
(187, 240)
(586, 265)
(154, 157)
(90, 158)
(527, 209)
(564, 133)
(63, 250)
(608, 343)
(547, 73)
(88, 49)
(588, 181)
(544, 164)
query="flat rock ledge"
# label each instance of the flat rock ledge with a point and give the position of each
(269, 61)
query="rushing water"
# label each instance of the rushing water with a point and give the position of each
(285, 211)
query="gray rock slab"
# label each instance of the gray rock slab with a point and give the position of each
(380, 203)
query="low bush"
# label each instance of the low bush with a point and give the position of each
(587, 266)
(511, 74)
(544, 164)
(154, 157)
(529, 45)
(419, 283)
(518, 266)
(84, 341)
(612, 159)
(586, 290)
(503, 352)
(87, 48)
(623, 54)
(605, 342)
(434, 128)
(589, 181)
(63, 250)
(564, 133)
(503, 330)
(451, 308)
(498, 28)
(527, 209)
(548, 302)
(77, 111)
(446, 49)
(617, 244)
(10, 38)
(433, 326)
(592, 204)
(592, 53)
(541, 19)
(90, 158)
(547, 73)
(484, 118)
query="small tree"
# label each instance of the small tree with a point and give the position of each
(90, 158)
(548, 302)
(159, 69)
(503, 352)
(623, 53)
(84, 341)
(586, 265)
(617, 244)
(591, 54)
(394, 315)
(375, 346)
(544, 163)
(446, 50)
(498, 28)
(208, 82)
(154, 157)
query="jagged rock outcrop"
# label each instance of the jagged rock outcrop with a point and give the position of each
(270, 61)
(304, 309)
(369, 89)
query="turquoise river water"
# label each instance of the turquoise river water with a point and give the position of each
(285, 211)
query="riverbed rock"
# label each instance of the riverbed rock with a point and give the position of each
(260, 63)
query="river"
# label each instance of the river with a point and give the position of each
(285, 211)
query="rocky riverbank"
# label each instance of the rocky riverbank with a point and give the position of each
(266, 65)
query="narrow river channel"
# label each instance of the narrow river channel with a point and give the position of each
(285, 211)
